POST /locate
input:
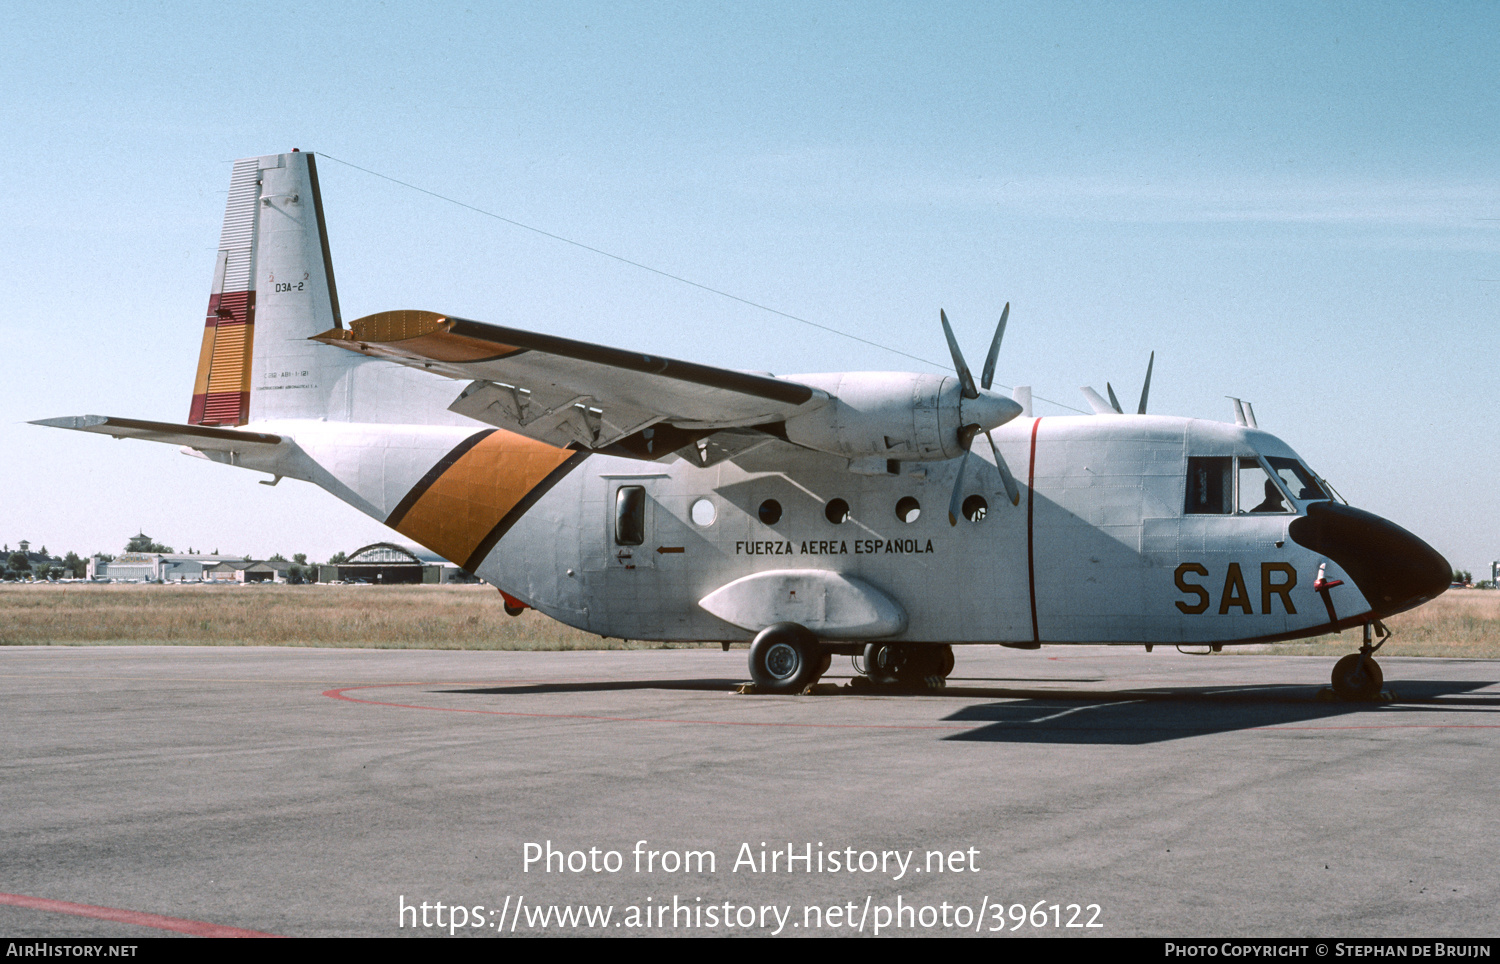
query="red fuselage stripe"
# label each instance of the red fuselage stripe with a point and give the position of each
(1036, 637)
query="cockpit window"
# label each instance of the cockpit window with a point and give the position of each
(1298, 480)
(1210, 485)
(1228, 485)
(1259, 493)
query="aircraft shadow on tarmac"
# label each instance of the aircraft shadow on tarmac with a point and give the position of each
(1086, 715)
(1133, 717)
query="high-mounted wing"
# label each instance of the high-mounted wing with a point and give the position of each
(575, 394)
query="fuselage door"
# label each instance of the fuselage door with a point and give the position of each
(626, 537)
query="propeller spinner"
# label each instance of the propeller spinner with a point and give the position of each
(980, 411)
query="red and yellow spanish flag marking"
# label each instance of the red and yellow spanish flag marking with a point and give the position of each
(221, 390)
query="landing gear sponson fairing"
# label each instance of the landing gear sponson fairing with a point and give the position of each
(645, 498)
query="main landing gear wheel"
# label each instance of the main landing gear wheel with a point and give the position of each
(786, 658)
(887, 663)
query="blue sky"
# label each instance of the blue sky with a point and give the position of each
(1293, 203)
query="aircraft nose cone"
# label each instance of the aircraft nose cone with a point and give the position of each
(1394, 569)
(989, 410)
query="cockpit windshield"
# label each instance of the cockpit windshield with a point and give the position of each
(1259, 493)
(1246, 485)
(1301, 483)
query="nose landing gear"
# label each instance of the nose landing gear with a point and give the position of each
(1357, 677)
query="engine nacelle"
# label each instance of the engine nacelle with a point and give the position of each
(890, 415)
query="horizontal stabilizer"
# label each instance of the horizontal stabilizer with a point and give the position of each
(202, 437)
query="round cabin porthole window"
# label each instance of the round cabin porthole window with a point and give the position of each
(770, 512)
(975, 508)
(908, 510)
(837, 511)
(704, 513)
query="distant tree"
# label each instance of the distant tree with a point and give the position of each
(277, 558)
(76, 566)
(140, 542)
(1462, 576)
(337, 559)
(300, 558)
(18, 562)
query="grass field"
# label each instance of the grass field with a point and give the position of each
(1462, 623)
(377, 617)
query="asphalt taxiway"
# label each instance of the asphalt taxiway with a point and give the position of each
(314, 792)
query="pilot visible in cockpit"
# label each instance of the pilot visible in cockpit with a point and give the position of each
(1273, 501)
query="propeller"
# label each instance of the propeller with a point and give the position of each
(1101, 407)
(989, 410)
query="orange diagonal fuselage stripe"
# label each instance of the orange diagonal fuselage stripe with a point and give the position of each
(463, 505)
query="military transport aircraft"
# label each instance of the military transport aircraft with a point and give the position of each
(640, 497)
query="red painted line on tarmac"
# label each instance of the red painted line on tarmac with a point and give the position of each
(196, 928)
(338, 694)
(1391, 726)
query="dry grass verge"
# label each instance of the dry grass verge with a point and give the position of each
(1460, 623)
(378, 617)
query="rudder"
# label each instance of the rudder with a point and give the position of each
(273, 289)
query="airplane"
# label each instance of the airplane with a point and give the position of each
(646, 498)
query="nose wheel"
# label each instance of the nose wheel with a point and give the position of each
(1357, 677)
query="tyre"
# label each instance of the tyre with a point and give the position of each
(785, 658)
(1355, 678)
(884, 663)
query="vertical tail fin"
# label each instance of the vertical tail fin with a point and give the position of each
(273, 289)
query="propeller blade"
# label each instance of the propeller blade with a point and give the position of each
(1099, 405)
(1114, 403)
(1012, 491)
(955, 501)
(987, 377)
(964, 375)
(1146, 388)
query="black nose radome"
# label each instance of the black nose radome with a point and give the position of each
(1394, 569)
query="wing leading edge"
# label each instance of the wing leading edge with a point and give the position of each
(574, 394)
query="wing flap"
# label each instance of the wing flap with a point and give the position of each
(567, 392)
